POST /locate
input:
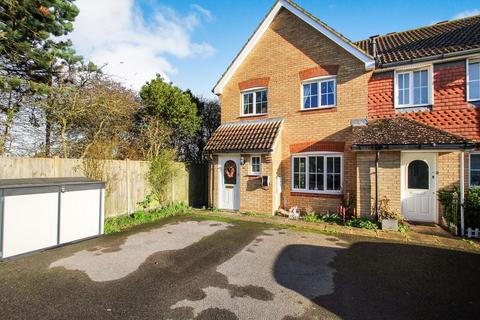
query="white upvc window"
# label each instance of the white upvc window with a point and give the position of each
(319, 93)
(473, 80)
(317, 173)
(413, 88)
(255, 102)
(474, 170)
(255, 165)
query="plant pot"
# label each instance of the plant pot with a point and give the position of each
(390, 224)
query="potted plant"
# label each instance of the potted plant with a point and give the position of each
(389, 218)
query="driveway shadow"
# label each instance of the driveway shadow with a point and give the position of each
(375, 280)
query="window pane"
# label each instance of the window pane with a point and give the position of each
(474, 90)
(255, 164)
(310, 95)
(475, 161)
(315, 177)
(329, 165)
(230, 172)
(261, 101)
(314, 88)
(306, 102)
(403, 88)
(475, 178)
(420, 87)
(299, 174)
(337, 165)
(418, 175)
(474, 71)
(248, 103)
(314, 101)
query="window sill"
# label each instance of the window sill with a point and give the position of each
(427, 105)
(253, 175)
(319, 110)
(316, 194)
(253, 115)
(473, 100)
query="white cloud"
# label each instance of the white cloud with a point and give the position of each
(208, 15)
(115, 33)
(466, 13)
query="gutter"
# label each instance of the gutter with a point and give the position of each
(442, 56)
(397, 147)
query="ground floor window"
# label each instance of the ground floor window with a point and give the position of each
(255, 168)
(317, 173)
(475, 170)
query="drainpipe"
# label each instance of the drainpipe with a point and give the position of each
(462, 193)
(377, 158)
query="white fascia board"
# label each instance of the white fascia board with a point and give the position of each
(369, 62)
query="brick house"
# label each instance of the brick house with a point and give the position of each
(310, 118)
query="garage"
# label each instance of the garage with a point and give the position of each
(41, 213)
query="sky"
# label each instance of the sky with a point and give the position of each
(192, 42)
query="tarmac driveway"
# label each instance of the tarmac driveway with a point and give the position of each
(200, 269)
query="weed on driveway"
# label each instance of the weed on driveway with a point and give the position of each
(196, 268)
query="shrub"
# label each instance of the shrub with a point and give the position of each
(120, 223)
(472, 208)
(364, 223)
(450, 202)
(162, 171)
(385, 211)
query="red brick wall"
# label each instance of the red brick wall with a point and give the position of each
(450, 110)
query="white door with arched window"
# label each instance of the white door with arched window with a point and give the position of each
(229, 182)
(419, 186)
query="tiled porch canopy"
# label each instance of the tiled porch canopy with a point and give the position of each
(245, 136)
(404, 134)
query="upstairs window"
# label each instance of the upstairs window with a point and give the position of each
(474, 80)
(254, 102)
(319, 94)
(321, 173)
(413, 88)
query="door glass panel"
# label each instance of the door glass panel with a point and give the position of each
(230, 172)
(418, 175)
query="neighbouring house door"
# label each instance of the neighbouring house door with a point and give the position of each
(419, 186)
(229, 182)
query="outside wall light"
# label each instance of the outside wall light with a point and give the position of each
(242, 160)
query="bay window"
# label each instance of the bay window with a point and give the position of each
(317, 173)
(473, 80)
(254, 102)
(319, 93)
(413, 88)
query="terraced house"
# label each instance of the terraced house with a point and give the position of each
(310, 118)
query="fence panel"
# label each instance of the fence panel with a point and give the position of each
(126, 180)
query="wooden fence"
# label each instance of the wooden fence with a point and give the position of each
(126, 185)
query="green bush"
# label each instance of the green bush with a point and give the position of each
(120, 223)
(472, 208)
(450, 202)
(161, 173)
(363, 223)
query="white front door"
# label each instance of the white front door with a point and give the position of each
(418, 186)
(229, 182)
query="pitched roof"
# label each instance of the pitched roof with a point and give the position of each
(402, 133)
(438, 39)
(309, 19)
(245, 136)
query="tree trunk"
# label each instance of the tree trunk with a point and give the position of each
(6, 131)
(64, 140)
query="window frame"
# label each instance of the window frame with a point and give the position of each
(255, 173)
(467, 89)
(254, 91)
(325, 155)
(319, 81)
(470, 169)
(410, 73)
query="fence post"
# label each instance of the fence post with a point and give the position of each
(127, 178)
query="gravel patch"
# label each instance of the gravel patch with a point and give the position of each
(275, 264)
(103, 264)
